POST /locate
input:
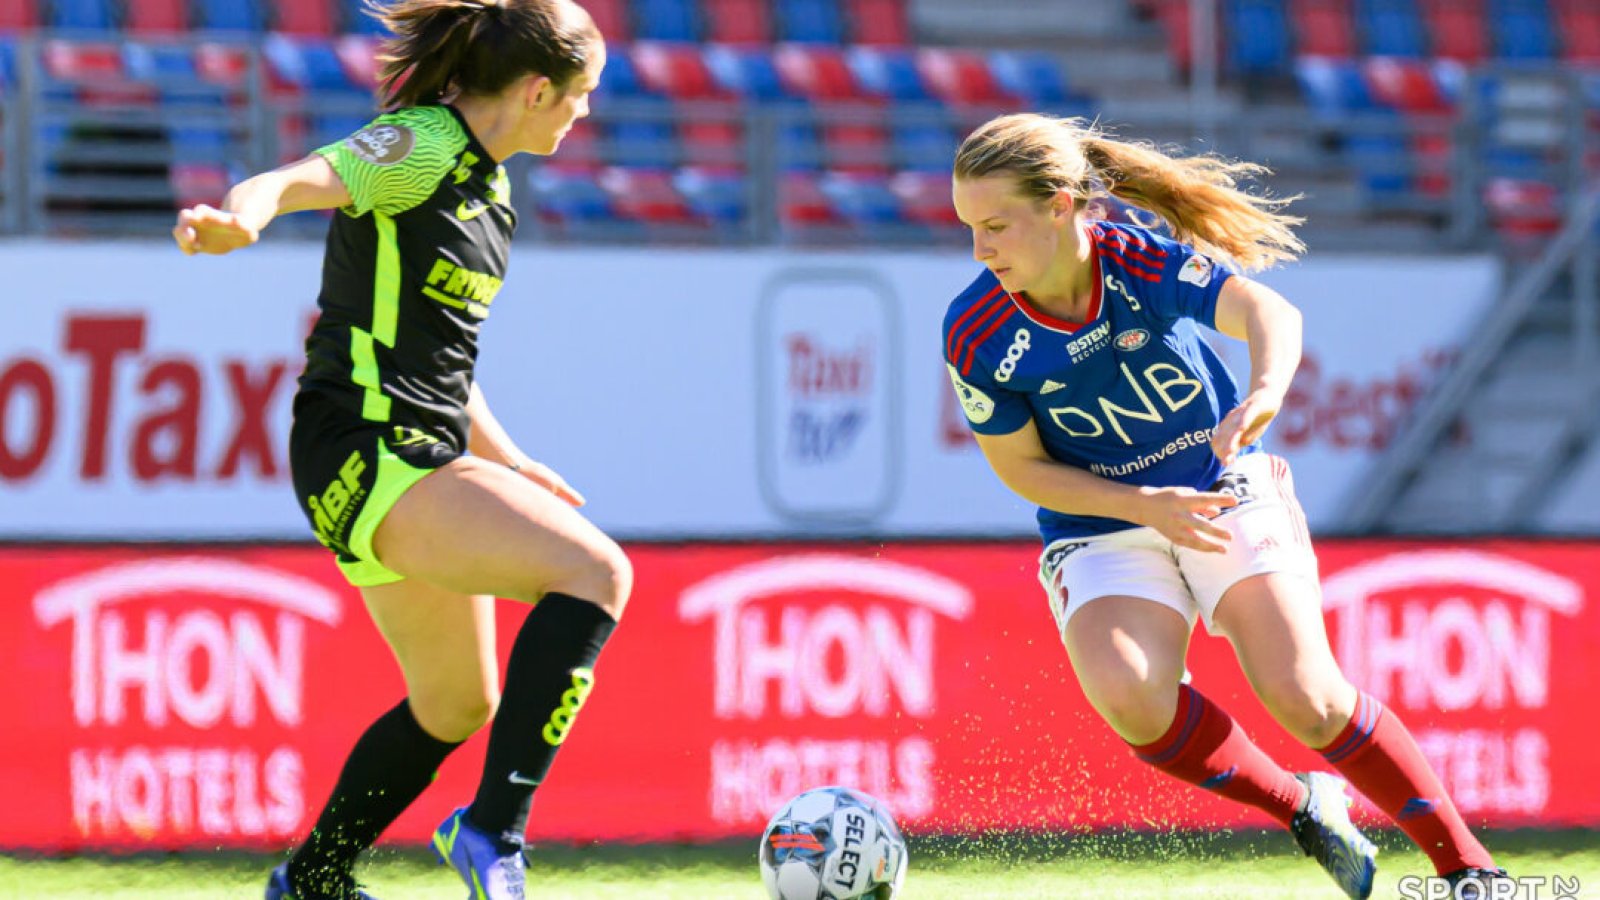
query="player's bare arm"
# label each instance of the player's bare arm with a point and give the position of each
(1182, 514)
(308, 183)
(488, 439)
(1263, 319)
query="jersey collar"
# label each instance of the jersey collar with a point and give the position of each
(1041, 317)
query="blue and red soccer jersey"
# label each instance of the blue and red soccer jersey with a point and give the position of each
(1133, 394)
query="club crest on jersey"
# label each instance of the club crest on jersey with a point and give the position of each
(975, 403)
(382, 145)
(1019, 346)
(1132, 339)
(1196, 270)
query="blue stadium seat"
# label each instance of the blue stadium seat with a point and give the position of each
(719, 196)
(1035, 77)
(357, 21)
(745, 72)
(799, 147)
(1521, 29)
(620, 79)
(8, 63)
(922, 147)
(666, 20)
(307, 65)
(568, 195)
(1332, 87)
(1258, 36)
(1382, 162)
(888, 74)
(83, 15)
(1391, 28)
(810, 21)
(860, 198)
(229, 15)
(159, 63)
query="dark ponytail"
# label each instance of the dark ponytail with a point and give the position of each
(442, 47)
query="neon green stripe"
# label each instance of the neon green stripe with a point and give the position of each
(386, 282)
(374, 406)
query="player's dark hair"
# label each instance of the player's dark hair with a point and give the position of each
(439, 48)
(1197, 196)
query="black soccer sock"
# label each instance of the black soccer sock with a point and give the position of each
(389, 767)
(547, 680)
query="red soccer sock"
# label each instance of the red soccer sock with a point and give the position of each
(1380, 758)
(1205, 747)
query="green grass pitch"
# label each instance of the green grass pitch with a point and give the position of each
(1119, 866)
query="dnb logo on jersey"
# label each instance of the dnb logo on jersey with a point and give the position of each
(975, 403)
(382, 145)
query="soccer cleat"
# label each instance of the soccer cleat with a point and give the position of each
(1324, 831)
(1472, 883)
(278, 889)
(490, 873)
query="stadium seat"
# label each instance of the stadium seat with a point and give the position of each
(879, 22)
(1457, 29)
(861, 198)
(229, 15)
(195, 183)
(922, 146)
(221, 63)
(712, 142)
(888, 74)
(1037, 78)
(1391, 28)
(858, 147)
(1382, 161)
(357, 20)
(305, 64)
(666, 20)
(82, 15)
(815, 72)
(1523, 210)
(156, 16)
(801, 201)
(564, 194)
(1521, 29)
(673, 70)
(359, 55)
(924, 197)
(621, 78)
(745, 72)
(1579, 22)
(581, 146)
(1407, 85)
(19, 15)
(961, 77)
(715, 195)
(799, 148)
(304, 17)
(611, 17)
(1332, 87)
(736, 21)
(810, 21)
(83, 61)
(165, 64)
(1322, 27)
(1257, 35)
(1174, 18)
(645, 195)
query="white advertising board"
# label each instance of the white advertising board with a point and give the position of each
(144, 394)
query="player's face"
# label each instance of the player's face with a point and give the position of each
(554, 115)
(1018, 237)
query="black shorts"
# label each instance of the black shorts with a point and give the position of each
(349, 472)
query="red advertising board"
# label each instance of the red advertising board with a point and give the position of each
(171, 697)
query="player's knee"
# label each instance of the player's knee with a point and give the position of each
(1312, 716)
(454, 716)
(1136, 709)
(603, 575)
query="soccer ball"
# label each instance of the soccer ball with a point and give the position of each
(833, 843)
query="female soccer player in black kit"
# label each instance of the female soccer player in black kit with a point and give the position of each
(401, 469)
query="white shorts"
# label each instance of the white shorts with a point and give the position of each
(1269, 535)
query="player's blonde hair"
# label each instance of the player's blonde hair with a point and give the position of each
(1196, 196)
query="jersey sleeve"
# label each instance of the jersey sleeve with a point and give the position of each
(989, 407)
(397, 160)
(1190, 282)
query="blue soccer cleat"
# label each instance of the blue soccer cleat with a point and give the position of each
(490, 873)
(1324, 831)
(278, 889)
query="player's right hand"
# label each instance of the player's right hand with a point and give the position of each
(205, 229)
(1183, 515)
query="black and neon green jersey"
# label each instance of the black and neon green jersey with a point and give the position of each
(411, 268)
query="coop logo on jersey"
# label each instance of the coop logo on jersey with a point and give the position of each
(1132, 339)
(177, 668)
(382, 145)
(1019, 345)
(823, 637)
(975, 403)
(1463, 631)
(1196, 271)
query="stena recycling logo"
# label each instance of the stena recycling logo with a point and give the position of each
(177, 700)
(818, 637)
(1459, 631)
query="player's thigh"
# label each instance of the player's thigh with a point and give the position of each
(444, 642)
(1275, 624)
(478, 528)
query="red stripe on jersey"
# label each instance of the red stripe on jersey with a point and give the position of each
(1156, 264)
(1137, 263)
(951, 340)
(1133, 269)
(967, 342)
(1049, 321)
(972, 349)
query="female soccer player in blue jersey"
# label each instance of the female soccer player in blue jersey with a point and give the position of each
(401, 469)
(1077, 359)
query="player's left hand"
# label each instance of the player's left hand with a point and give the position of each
(1244, 425)
(546, 477)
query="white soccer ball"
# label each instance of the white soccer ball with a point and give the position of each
(833, 843)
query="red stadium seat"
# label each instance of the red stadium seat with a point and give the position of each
(1322, 27)
(195, 183)
(737, 21)
(83, 61)
(611, 17)
(856, 148)
(1404, 84)
(222, 64)
(802, 202)
(673, 70)
(925, 197)
(711, 142)
(1174, 18)
(358, 54)
(1457, 29)
(647, 195)
(961, 77)
(157, 16)
(1578, 22)
(304, 17)
(815, 72)
(880, 22)
(19, 15)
